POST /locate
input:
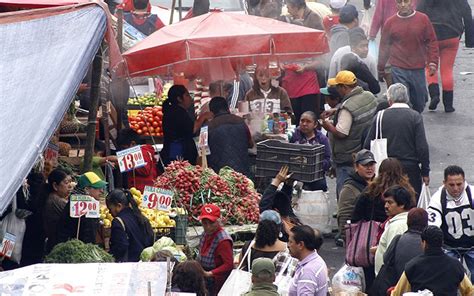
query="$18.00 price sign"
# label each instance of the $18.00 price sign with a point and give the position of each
(157, 198)
(130, 159)
(84, 205)
(8, 243)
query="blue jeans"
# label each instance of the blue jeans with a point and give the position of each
(415, 81)
(342, 174)
(468, 258)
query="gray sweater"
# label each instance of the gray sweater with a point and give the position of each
(406, 139)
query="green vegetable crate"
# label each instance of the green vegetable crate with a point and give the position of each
(181, 229)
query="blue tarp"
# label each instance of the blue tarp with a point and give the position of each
(42, 62)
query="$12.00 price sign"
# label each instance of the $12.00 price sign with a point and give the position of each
(8, 244)
(157, 198)
(84, 205)
(130, 159)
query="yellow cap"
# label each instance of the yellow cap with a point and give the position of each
(343, 77)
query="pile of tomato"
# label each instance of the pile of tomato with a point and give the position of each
(148, 122)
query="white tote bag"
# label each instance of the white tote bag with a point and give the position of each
(378, 146)
(425, 197)
(283, 282)
(239, 282)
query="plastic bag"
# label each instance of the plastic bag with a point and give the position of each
(15, 226)
(349, 279)
(425, 197)
(312, 208)
(419, 293)
(366, 20)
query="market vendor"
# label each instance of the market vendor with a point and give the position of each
(229, 139)
(178, 127)
(131, 232)
(143, 176)
(142, 19)
(280, 201)
(264, 93)
(90, 184)
(215, 249)
(307, 133)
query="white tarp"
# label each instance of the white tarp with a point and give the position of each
(42, 63)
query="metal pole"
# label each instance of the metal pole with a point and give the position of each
(91, 122)
(120, 28)
(173, 6)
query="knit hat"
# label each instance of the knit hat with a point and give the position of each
(348, 13)
(337, 4)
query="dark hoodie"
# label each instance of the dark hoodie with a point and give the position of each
(449, 18)
(352, 188)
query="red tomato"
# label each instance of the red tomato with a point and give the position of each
(141, 124)
(155, 124)
(151, 129)
(145, 129)
(139, 131)
(146, 133)
(150, 119)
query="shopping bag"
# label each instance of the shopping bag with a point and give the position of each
(425, 197)
(239, 281)
(378, 146)
(283, 281)
(12, 233)
(360, 237)
(348, 279)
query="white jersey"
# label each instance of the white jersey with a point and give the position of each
(454, 216)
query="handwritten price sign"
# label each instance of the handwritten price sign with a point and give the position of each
(8, 244)
(157, 198)
(51, 153)
(130, 159)
(84, 205)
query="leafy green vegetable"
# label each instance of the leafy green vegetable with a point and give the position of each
(75, 251)
(163, 242)
(147, 254)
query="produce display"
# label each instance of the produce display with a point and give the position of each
(144, 100)
(163, 244)
(148, 121)
(157, 218)
(75, 251)
(233, 192)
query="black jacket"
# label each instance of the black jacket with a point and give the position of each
(127, 244)
(449, 18)
(67, 228)
(352, 62)
(436, 272)
(406, 139)
(368, 208)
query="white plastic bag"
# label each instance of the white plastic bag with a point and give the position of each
(378, 146)
(419, 293)
(312, 208)
(366, 20)
(239, 281)
(15, 226)
(349, 279)
(425, 197)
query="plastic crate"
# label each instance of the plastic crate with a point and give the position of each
(304, 161)
(179, 235)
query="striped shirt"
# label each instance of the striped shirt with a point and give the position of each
(311, 277)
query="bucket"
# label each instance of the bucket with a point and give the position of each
(312, 208)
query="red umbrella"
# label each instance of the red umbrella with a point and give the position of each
(218, 43)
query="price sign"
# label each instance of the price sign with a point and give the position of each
(130, 159)
(157, 198)
(265, 106)
(83, 205)
(51, 153)
(203, 143)
(8, 244)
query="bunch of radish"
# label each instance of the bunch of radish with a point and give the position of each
(231, 191)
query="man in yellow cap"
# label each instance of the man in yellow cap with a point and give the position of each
(89, 184)
(351, 120)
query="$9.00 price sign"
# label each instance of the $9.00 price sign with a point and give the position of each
(84, 205)
(8, 244)
(157, 198)
(130, 159)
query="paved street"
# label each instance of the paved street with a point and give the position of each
(450, 136)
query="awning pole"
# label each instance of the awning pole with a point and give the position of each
(91, 121)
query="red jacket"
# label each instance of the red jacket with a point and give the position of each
(147, 174)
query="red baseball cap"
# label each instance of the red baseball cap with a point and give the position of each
(211, 212)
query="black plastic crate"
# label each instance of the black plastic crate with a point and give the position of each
(304, 161)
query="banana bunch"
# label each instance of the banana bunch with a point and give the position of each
(105, 216)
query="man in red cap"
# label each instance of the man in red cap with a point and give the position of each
(215, 249)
